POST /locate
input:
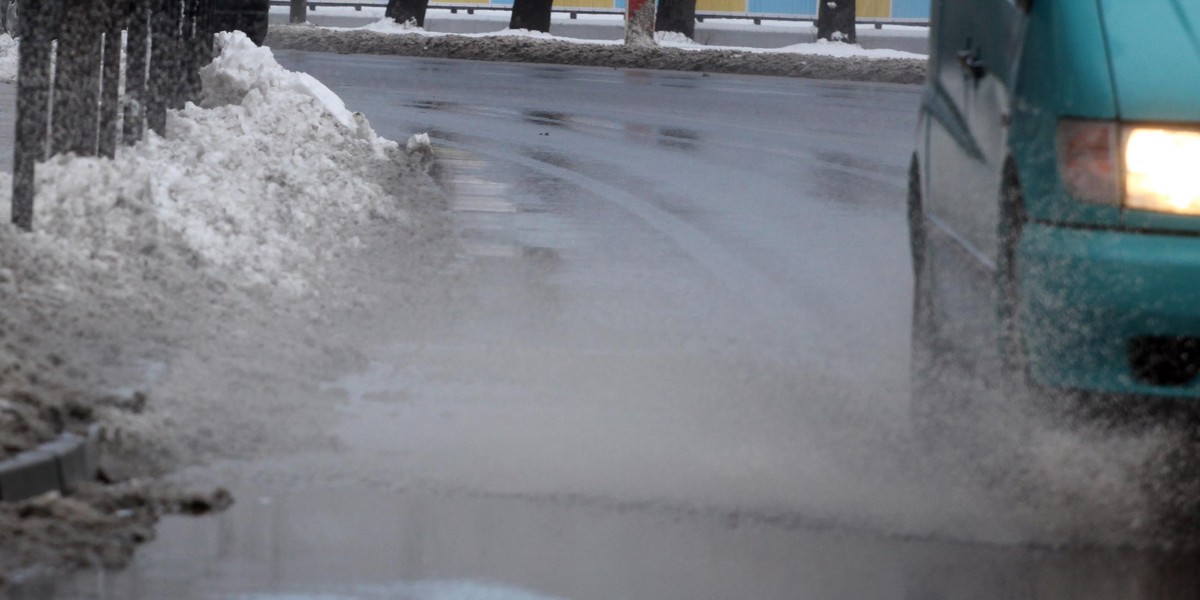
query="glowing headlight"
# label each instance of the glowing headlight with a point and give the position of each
(1150, 168)
(1162, 170)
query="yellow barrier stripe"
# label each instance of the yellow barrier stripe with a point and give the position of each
(874, 8)
(722, 5)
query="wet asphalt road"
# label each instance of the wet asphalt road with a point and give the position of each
(685, 376)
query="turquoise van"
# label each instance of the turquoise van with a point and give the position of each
(1054, 197)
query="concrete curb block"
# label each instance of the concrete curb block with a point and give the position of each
(57, 466)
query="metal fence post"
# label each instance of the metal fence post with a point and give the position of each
(177, 68)
(204, 32)
(116, 12)
(191, 51)
(163, 28)
(33, 105)
(299, 13)
(77, 81)
(136, 62)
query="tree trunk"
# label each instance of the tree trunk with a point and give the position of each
(77, 81)
(678, 16)
(835, 21)
(115, 13)
(533, 15)
(137, 58)
(404, 11)
(33, 106)
(639, 23)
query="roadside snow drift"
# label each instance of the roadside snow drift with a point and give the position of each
(198, 267)
(256, 186)
(244, 209)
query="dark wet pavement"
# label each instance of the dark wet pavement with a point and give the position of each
(680, 372)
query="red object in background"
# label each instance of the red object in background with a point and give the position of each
(633, 7)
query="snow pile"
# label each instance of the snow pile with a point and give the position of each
(243, 67)
(9, 58)
(260, 187)
(840, 49)
(419, 142)
(389, 25)
(674, 39)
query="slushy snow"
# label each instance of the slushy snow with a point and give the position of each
(8, 58)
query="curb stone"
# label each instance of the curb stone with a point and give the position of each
(56, 466)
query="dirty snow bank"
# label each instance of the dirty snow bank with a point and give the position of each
(244, 205)
(108, 522)
(200, 267)
(256, 186)
(817, 61)
(8, 58)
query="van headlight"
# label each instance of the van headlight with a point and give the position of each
(1162, 170)
(1132, 166)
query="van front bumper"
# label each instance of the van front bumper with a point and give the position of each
(1091, 301)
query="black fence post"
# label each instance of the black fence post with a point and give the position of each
(177, 61)
(163, 29)
(204, 35)
(110, 99)
(75, 125)
(181, 55)
(136, 61)
(33, 105)
(190, 55)
(299, 12)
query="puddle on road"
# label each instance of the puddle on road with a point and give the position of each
(547, 118)
(326, 543)
(498, 213)
(679, 139)
(435, 105)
